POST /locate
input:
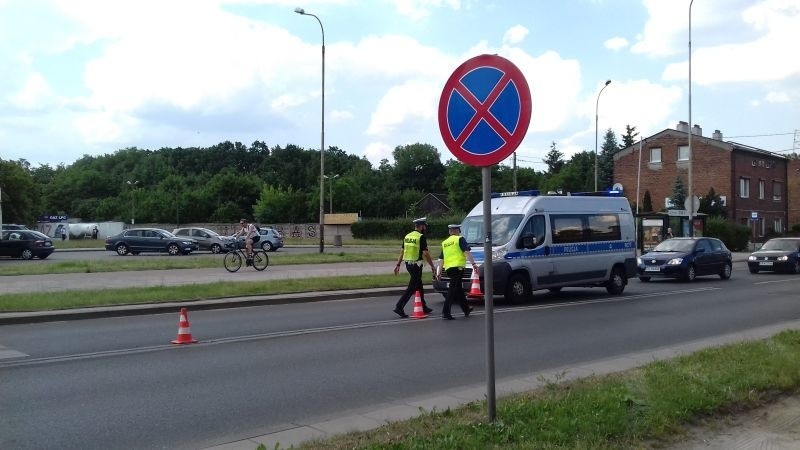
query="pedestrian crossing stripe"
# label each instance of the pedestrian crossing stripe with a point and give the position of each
(6, 353)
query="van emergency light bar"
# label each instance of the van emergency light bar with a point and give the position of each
(535, 193)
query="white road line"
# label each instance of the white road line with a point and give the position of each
(6, 353)
(777, 281)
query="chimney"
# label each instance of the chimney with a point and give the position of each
(717, 135)
(683, 126)
(696, 130)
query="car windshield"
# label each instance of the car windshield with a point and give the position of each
(503, 228)
(166, 233)
(781, 245)
(675, 245)
(39, 234)
(210, 232)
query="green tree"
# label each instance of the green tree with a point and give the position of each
(605, 161)
(281, 205)
(18, 192)
(647, 202)
(577, 175)
(629, 138)
(712, 205)
(678, 197)
(418, 166)
(464, 185)
(554, 160)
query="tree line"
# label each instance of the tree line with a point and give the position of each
(276, 184)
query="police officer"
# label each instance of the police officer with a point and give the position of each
(455, 253)
(415, 249)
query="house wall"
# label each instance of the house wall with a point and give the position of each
(793, 191)
(711, 168)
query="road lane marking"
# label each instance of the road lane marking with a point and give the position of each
(328, 329)
(6, 353)
(777, 281)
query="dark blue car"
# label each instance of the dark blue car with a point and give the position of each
(686, 258)
(776, 255)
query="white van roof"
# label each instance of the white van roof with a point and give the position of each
(527, 203)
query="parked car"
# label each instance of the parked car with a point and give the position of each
(686, 258)
(206, 239)
(13, 226)
(271, 239)
(776, 255)
(138, 240)
(25, 244)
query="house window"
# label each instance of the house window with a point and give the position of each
(744, 187)
(777, 226)
(762, 227)
(683, 153)
(761, 189)
(655, 155)
(777, 187)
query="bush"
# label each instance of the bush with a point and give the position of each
(734, 236)
(397, 228)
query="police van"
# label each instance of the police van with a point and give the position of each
(552, 242)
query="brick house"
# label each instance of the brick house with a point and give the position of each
(748, 179)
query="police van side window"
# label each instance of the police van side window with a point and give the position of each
(571, 228)
(534, 226)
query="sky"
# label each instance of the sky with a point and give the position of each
(90, 77)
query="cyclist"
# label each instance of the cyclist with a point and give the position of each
(251, 236)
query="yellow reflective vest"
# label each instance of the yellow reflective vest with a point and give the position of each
(453, 255)
(411, 246)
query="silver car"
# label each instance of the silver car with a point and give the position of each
(271, 239)
(206, 239)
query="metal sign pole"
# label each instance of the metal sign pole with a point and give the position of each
(488, 283)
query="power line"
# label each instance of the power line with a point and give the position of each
(759, 135)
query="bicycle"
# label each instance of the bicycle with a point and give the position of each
(233, 259)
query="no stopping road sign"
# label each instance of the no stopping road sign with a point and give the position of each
(484, 110)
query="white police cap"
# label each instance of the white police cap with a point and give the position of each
(454, 225)
(421, 221)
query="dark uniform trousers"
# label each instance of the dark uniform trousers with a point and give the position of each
(455, 291)
(414, 285)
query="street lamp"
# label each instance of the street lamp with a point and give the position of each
(596, 105)
(133, 185)
(301, 11)
(691, 195)
(330, 190)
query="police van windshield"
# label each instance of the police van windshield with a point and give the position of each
(503, 227)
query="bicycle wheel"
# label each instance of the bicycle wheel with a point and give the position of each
(260, 260)
(232, 261)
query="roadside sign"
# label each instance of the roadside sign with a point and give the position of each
(754, 215)
(484, 110)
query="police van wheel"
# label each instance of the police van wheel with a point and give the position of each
(616, 283)
(518, 289)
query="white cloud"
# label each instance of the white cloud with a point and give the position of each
(339, 115)
(376, 151)
(410, 101)
(34, 93)
(616, 43)
(777, 97)
(515, 35)
(421, 9)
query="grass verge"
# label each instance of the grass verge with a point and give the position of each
(161, 294)
(131, 263)
(641, 408)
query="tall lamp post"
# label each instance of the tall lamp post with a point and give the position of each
(302, 12)
(330, 190)
(133, 185)
(596, 105)
(691, 195)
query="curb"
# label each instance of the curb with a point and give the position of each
(18, 318)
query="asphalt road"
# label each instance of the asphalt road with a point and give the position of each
(119, 383)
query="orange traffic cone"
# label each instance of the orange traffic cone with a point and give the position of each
(419, 311)
(475, 289)
(184, 334)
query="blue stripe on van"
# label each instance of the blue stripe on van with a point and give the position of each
(583, 248)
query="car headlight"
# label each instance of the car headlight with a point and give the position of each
(674, 261)
(499, 253)
(751, 258)
(783, 258)
(639, 260)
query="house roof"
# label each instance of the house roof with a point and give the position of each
(722, 145)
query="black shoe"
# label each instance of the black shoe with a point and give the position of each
(467, 312)
(400, 312)
(427, 310)
(448, 318)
